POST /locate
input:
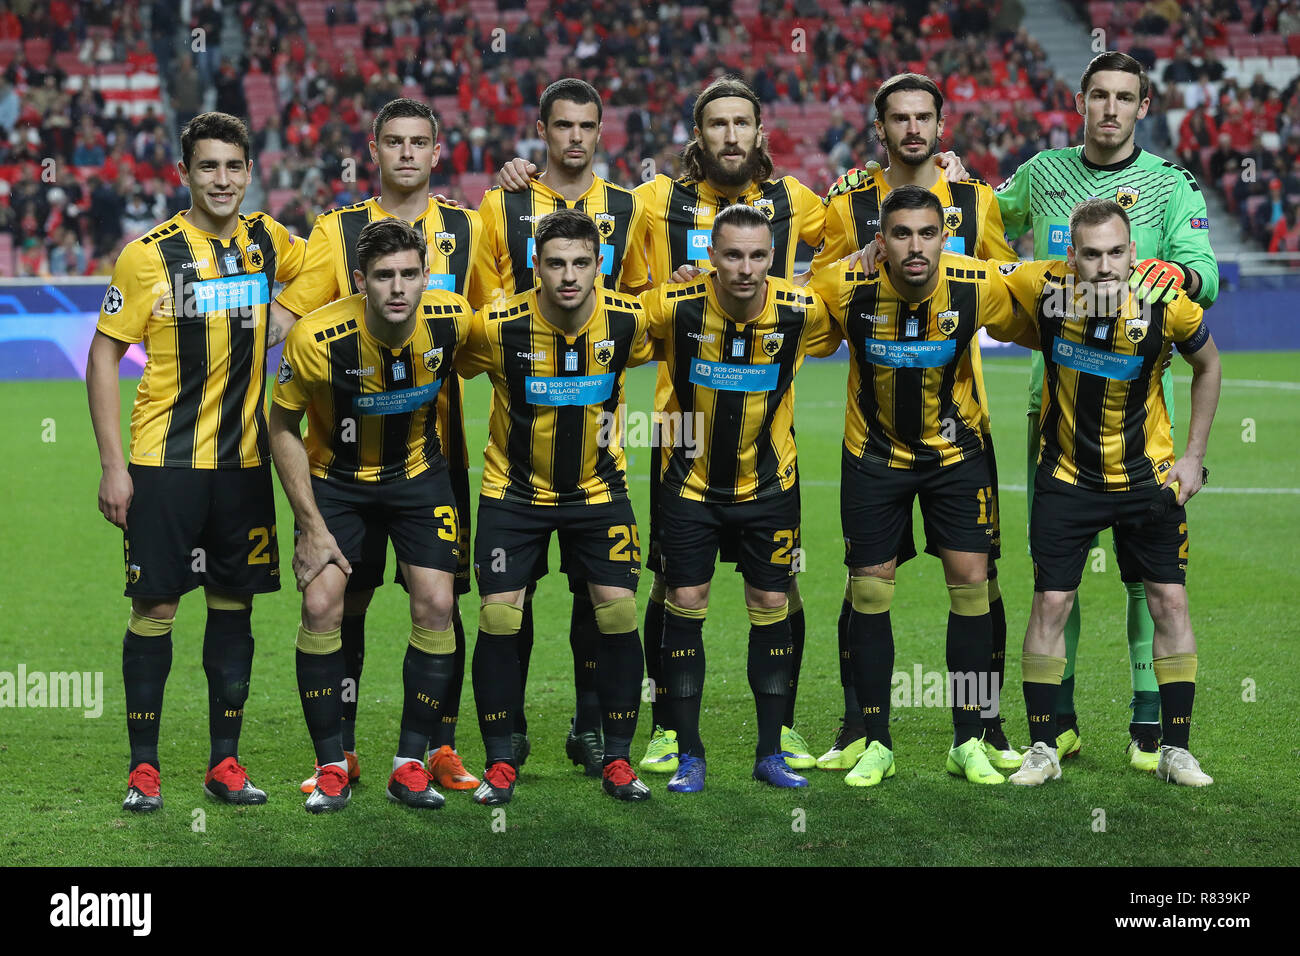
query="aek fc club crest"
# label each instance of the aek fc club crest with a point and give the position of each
(948, 322)
(772, 342)
(605, 224)
(433, 359)
(766, 207)
(1135, 330)
(446, 242)
(603, 351)
(254, 256)
(1126, 196)
(952, 218)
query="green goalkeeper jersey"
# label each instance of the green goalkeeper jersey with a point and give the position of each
(1163, 202)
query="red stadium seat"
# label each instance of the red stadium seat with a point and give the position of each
(1099, 13)
(347, 36)
(1293, 44)
(37, 50)
(277, 199)
(473, 185)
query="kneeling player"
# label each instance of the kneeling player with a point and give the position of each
(1107, 460)
(733, 341)
(367, 370)
(554, 463)
(912, 427)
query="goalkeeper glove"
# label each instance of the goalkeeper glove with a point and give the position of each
(1155, 281)
(853, 179)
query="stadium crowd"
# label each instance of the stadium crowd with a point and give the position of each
(310, 76)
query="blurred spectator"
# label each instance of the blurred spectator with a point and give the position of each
(9, 106)
(206, 16)
(68, 256)
(1224, 159)
(1286, 231)
(186, 91)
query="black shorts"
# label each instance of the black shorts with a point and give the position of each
(1066, 518)
(764, 534)
(369, 573)
(601, 543)
(192, 527)
(907, 547)
(418, 514)
(728, 547)
(876, 508)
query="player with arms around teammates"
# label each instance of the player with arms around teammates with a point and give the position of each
(733, 342)
(556, 356)
(913, 427)
(909, 123)
(195, 503)
(405, 148)
(366, 370)
(1107, 461)
(569, 121)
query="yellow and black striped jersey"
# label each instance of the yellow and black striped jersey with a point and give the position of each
(912, 396)
(370, 407)
(733, 387)
(971, 217)
(1104, 423)
(199, 305)
(504, 266)
(454, 238)
(680, 215)
(555, 431)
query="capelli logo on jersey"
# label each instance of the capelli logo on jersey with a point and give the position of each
(873, 319)
(698, 210)
(532, 356)
(529, 218)
(701, 338)
(368, 370)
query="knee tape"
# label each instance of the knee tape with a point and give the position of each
(697, 614)
(227, 602)
(324, 642)
(1042, 669)
(871, 595)
(617, 616)
(760, 616)
(433, 642)
(969, 600)
(659, 590)
(142, 626)
(1175, 668)
(501, 619)
(995, 592)
(794, 600)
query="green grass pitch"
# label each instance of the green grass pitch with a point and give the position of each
(64, 774)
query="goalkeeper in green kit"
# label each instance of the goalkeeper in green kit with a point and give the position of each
(1172, 231)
